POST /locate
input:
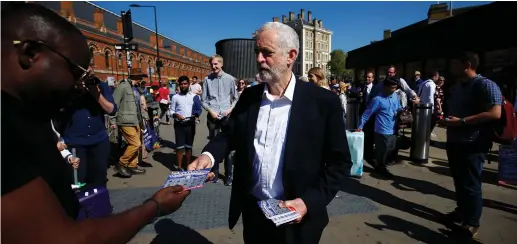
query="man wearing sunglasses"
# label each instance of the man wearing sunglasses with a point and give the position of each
(43, 58)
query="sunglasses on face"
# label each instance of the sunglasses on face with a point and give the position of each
(79, 73)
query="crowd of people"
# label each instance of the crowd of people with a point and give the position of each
(272, 149)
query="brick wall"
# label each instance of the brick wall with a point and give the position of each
(109, 62)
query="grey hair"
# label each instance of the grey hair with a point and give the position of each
(287, 37)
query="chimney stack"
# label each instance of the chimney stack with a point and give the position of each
(315, 22)
(302, 14)
(299, 16)
(320, 23)
(291, 16)
(387, 34)
(284, 19)
(276, 19)
(309, 16)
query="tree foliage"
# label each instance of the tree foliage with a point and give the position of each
(337, 64)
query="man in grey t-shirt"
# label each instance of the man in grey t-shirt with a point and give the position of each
(218, 98)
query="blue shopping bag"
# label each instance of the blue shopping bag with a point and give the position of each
(150, 137)
(356, 146)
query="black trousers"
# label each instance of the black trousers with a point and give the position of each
(260, 230)
(94, 162)
(214, 127)
(257, 228)
(164, 108)
(369, 136)
(385, 145)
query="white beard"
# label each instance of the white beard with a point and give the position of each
(273, 73)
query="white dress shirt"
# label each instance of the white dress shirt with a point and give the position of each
(426, 91)
(368, 92)
(182, 104)
(269, 143)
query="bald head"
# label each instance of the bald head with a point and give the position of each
(28, 20)
(44, 53)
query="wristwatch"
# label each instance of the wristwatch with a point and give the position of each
(463, 121)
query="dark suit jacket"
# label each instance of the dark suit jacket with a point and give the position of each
(316, 156)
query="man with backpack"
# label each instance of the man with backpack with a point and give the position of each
(474, 107)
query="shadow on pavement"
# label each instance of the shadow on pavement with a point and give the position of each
(438, 144)
(487, 177)
(408, 184)
(169, 160)
(355, 187)
(169, 144)
(170, 232)
(415, 231)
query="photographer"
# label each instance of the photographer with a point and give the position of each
(83, 128)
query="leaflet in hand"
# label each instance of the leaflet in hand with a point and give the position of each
(277, 214)
(188, 179)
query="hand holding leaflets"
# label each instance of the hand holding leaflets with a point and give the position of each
(187, 179)
(273, 209)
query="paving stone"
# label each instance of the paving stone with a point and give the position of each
(207, 207)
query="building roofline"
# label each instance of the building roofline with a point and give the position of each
(235, 39)
(140, 25)
(402, 30)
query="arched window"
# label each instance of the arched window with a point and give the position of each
(119, 60)
(107, 59)
(91, 55)
(141, 63)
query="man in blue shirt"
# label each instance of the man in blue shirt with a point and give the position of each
(474, 102)
(84, 128)
(385, 108)
(185, 107)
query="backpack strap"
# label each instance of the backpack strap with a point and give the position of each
(421, 88)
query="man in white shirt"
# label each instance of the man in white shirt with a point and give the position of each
(185, 107)
(275, 158)
(427, 89)
(195, 87)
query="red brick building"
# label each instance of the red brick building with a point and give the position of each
(103, 29)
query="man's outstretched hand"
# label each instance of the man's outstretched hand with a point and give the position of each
(170, 198)
(202, 162)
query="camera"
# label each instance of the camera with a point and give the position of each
(92, 80)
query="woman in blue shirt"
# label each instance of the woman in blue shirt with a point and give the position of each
(83, 127)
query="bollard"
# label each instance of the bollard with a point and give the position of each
(421, 132)
(353, 114)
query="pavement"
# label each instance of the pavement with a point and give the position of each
(367, 210)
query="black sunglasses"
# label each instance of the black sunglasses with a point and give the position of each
(73, 66)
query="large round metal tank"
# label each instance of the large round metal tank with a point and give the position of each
(239, 57)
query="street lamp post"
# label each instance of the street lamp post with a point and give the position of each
(158, 61)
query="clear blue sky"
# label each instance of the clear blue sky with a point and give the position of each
(200, 25)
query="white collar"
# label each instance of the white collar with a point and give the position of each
(289, 91)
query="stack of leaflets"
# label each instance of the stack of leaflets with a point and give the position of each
(277, 214)
(188, 179)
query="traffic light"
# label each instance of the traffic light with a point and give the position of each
(127, 25)
(159, 64)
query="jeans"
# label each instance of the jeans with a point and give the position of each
(466, 164)
(94, 162)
